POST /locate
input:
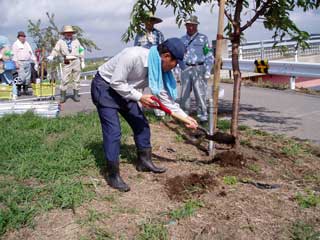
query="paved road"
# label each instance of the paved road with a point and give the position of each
(287, 112)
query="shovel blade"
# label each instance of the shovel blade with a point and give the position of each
(222, 138)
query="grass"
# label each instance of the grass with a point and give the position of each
(256, 132)
(100, 234)
(153, 231)
(93, 65)
(308, 200)
(255, 168)
(223, 124)
(187, 210)
(303, 231)
(292, 148)
(44, 163)
(92, 217)
(230, 180)
(179, 138)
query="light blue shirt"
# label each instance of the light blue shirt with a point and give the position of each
(195, 54)
(147, 40)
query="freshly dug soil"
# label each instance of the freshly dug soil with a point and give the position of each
(230, 159)
(181, 187)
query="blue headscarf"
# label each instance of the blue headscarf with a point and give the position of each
(158, 79)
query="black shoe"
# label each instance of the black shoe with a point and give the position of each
(63, 96)
(25, 90)
(114, 179)
(19, 90)
(76, 96)
(144, 162)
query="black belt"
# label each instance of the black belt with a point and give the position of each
(195, 64)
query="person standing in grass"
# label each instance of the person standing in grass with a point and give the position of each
(73, 60)
(115, 89)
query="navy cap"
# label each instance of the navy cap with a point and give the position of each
(177, 50)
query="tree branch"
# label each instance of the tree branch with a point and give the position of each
(228, 15)
(260, 12)
(237, 13)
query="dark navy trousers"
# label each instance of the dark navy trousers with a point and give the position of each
(109, 103)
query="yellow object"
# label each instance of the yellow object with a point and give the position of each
(44, 89)
(262, 66)
(5, 92)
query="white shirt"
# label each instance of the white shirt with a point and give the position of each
(127, 72)
(22, 51)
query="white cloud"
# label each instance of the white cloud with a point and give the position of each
(104, 21)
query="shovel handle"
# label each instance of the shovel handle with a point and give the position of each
(169, 112)
(181, 118)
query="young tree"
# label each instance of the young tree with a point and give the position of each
(275, 15)
(47, 37)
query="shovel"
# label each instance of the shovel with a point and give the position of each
(218, 137)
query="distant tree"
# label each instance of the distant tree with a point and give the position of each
(275, 15)
(47, 37)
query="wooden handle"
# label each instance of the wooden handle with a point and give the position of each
(180, 118)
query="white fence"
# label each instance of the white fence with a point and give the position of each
(285, 49)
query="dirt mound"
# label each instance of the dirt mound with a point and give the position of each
(182, 187)
(230, 159)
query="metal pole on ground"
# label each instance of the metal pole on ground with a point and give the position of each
(211, 129)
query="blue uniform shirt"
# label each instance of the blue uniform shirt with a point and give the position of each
(195, 54)
(147, 40)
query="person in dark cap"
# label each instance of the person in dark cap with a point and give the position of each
(23, 56)
(115, 89)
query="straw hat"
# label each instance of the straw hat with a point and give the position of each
(67, 28)
(192, 20)
(152, 18)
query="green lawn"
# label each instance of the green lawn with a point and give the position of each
(44, 164)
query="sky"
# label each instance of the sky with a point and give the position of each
(104, 21)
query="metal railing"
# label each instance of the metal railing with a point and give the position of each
(292, 69)
(89, 73)
(285, 49)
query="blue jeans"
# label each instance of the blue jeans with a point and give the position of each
(109, 104)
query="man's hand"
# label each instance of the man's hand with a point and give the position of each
(146, 100)
(193, 124)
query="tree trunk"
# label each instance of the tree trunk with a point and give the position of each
(237, 84)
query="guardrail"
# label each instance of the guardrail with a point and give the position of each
(292, 69)
(285, 49)
(88, 73)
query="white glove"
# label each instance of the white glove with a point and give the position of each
(83, 65)
(50, 58)
(36, 66)
(207, 75)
